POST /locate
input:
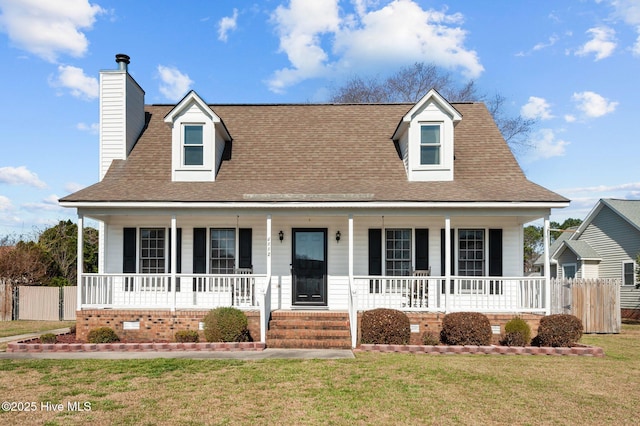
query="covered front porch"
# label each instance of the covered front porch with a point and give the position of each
(326, 260)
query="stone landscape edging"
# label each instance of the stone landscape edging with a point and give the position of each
(582, 350)
(133, 347)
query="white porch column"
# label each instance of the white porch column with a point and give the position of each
(174, 260)
(353, 306)
(80, 261)
(447, 260)
(264, 312)
(351, 249)
(268, 247)
(547, 267)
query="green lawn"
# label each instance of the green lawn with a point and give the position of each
(370, 389)
(12, 328)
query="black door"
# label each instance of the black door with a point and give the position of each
(309, 267)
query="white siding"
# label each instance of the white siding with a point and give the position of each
(337, 252)
(121, 116)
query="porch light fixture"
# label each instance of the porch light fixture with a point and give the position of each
(338, 236)
(281, 235)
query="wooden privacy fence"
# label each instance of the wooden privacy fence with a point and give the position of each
(37, 303)
(595, 301)
(6, 301)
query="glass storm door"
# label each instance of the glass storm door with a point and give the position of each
(309, 267)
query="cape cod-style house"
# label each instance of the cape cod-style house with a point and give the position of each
(316, 211)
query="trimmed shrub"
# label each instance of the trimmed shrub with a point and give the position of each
(187, 336)
(466, 328)
(72, 329)
(516, 333)
(559, 330)
(48, 338)
(226, 324)
(385, 326)
(430, 338)
(102, 335)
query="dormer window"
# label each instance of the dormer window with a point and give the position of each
(430, 147)
(425, 138)
(198, 138)
(193, 145)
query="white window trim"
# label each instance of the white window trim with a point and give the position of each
(439, 165)
(625, 262)
(184, 166)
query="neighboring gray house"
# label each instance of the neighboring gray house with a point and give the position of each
(605, 245)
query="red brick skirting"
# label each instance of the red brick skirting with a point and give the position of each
(583, 350)
(134, 347)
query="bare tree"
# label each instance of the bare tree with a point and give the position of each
(26, 263)
(410, 83)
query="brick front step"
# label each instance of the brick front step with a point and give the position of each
(308, 344)
(309, 329)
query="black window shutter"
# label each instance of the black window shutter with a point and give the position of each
(375, 251)
(422, 249)
(129, 250)
(244, 260)
(199, 250)
(495, 252)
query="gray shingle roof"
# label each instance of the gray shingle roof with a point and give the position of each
(582, 249)
(316, 152)
(628, 209)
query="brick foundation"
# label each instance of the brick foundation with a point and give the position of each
(633, 314)
(432, 322)
(155, 325)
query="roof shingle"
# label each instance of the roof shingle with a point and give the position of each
(314, 152)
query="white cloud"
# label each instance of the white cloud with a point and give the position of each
(5, 204)
(602, 43)
(401, 33)
(547, 145)
(629, 12)
(630, 187)
(569, 118)
(174, 84)
(74, 79)
(50, 203)
(93, 128)
(47, 28)
(72, 187)
(593, 105)
(536, 108)
(226, 24)
(20, 176)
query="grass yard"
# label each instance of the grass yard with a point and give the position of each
(12, 328)
(370, 389)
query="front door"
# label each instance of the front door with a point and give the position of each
(309, 267)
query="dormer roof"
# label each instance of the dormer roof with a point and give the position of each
(193, 98)
(431, 96)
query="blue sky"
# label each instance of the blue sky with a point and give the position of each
(572, 65)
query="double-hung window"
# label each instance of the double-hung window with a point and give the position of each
(398, 252)
(152, 250)
(471, 258)
(430, 144)
(628, 272)
(223, 250)
(193, 146)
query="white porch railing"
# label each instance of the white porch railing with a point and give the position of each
(155, 291)
(432, 294)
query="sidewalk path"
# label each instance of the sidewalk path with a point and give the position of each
(29, 336)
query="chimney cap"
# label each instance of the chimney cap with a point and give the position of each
(121, 57)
